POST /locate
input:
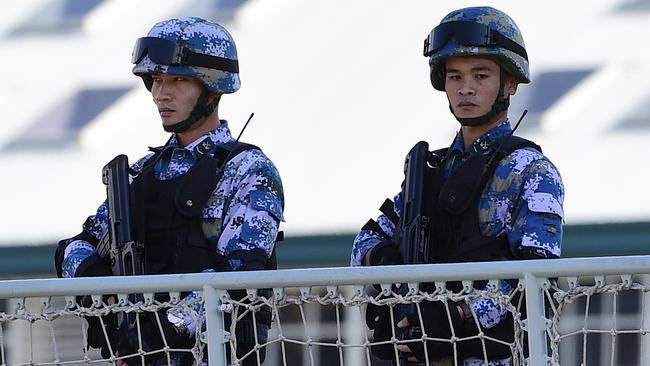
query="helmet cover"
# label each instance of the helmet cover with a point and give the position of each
(200, 36)
(497, 21)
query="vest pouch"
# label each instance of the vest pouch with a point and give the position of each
(159, 252)
(169, 214)
(462, 187)
(196, 187)
(195, 253)
(481, 249)
(152, 268)
(192, 258)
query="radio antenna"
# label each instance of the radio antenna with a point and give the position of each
(223, 163)
(513, 130)
(503, 141)
(245, 125)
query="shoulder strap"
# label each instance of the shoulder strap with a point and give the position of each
(156, 155)
(201, 180)
(507, 146)
(511, 143)
(149, 163)
(229, 150)
(388, 209)
(440, 152)
(438, 156)
(465, 185)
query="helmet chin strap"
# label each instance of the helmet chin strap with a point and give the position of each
(201, 109)
(500, 105)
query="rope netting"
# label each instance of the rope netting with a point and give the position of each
(327, 325)
(343, 347)
(22, 330)
(599, 321)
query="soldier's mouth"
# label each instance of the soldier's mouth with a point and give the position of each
(166, 112)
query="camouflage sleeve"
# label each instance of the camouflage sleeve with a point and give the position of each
(80, 247)
(538, 219)
(77, 249)
(370, 236)
(253, 207)
(75, 252)
(488, 313)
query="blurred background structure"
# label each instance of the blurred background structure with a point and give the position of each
(340, 92)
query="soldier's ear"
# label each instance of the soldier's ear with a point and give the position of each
(511, 86)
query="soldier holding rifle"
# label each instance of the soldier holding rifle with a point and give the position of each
(490, 196)
(202, 201)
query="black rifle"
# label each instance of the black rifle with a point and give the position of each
(414, 238)
(414, 226)
(125, 255)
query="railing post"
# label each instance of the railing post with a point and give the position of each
(215, 334)
(644, 358)
(535, 321)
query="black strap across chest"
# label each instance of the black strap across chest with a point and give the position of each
(204, 175)
(468, 180)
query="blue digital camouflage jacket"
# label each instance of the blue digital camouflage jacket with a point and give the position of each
(243, 212)
(522, 200)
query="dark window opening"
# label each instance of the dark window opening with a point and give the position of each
(542, 93)
(60, 126)
(56, 17)
(633, 6)
(637, 119)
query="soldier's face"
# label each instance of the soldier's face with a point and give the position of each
(472, 85)
(175, 96)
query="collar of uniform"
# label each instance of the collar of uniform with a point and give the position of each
(483, 143)
(205, 143)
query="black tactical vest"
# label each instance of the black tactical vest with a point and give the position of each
(167, 214)
(455, 233)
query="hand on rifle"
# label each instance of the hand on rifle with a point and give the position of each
(102, 331)
(435, 325)
(151, 337)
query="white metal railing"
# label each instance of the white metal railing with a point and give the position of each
(532, 274)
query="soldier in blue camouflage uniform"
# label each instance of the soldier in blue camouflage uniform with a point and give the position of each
(477, 57)
(188, 64)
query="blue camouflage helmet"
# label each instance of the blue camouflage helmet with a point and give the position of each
(477, 31)
(192, 47)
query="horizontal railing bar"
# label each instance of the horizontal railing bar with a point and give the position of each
(328, 276)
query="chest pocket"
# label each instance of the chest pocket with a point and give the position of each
(212, 217)
(495, 213)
